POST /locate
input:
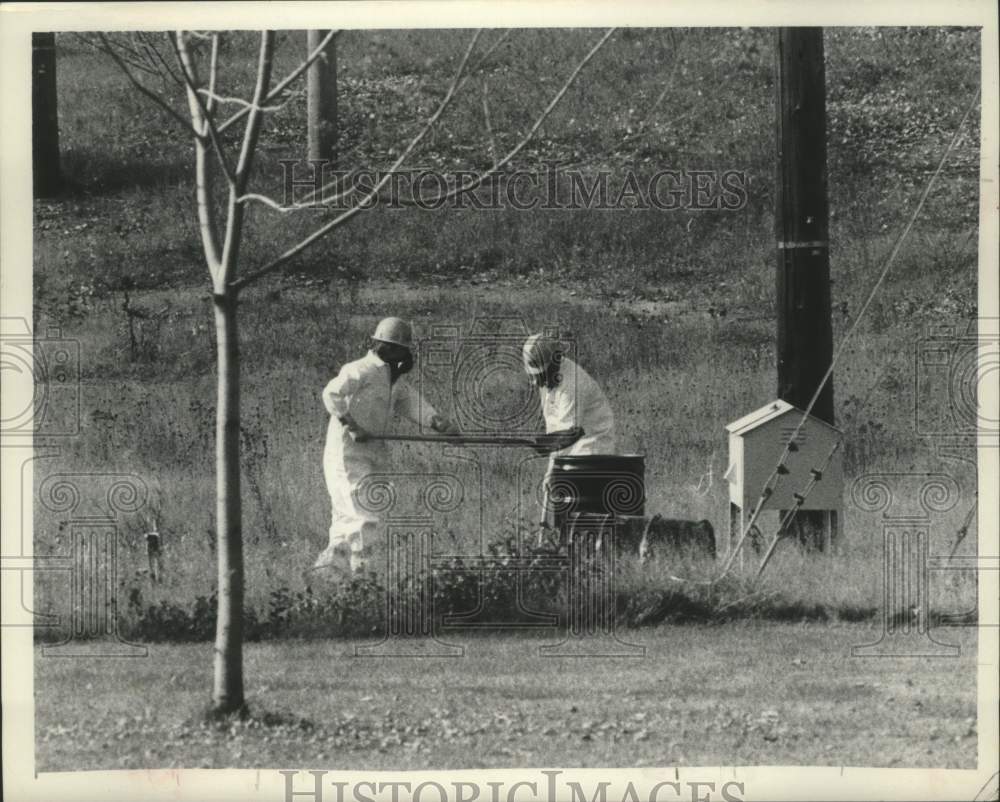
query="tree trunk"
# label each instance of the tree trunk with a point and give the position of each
(227, 696)
(322, 100)
(44, 120)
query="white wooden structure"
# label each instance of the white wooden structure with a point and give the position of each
(756, 443)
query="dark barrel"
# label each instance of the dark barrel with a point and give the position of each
(602, 484)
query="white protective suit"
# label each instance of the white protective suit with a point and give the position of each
(577, 401)
(363, 389)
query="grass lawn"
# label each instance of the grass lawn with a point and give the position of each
(725, 695)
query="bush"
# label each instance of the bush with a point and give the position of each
(170, 622)
(506, 587)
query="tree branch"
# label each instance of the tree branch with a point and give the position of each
(202, 117)
(475, 182)
(236, 209)
(151, 48)
(129, 53)
(489, 51)
(271, 203)
(668, 84)
(212, 97)
(213, 73)
(159, 101)
(256, 111)
(311, 201)
(363, 204)
(347, 215)
(486, 119)
(322, 203)
(141, 61)
(207, 222)
(284, 83)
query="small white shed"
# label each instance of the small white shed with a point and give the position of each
(756, 443)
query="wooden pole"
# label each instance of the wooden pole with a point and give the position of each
(805, 333)
(321, 93)
(47, 178)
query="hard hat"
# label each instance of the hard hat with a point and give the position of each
(538, 353)
(394, 330)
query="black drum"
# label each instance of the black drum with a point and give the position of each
(599, 484)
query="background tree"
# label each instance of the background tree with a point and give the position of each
(224, 166)
(44, 118)
(322, 99)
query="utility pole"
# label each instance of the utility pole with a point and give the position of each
(44, 120)
(805, 332)
(321, 92)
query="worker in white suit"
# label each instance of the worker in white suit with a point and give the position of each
(362, 401)
(578, 417)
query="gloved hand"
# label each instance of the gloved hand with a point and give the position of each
(357, 433)
(442, 425)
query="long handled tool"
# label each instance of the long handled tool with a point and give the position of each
(458, 439)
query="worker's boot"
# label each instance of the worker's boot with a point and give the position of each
(333, 563)
(359, 562)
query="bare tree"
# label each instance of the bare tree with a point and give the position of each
(190, 61)
(322, 100)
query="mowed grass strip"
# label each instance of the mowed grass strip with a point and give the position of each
(726, 695)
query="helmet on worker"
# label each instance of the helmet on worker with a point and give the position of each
(392, 342)
(541, 354)
(395, 331)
